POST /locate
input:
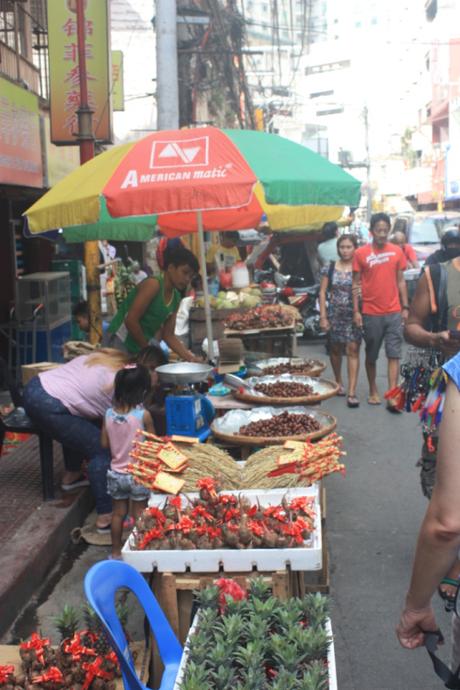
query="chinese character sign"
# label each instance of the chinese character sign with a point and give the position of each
(20, 144)
(64, 73)
(118, 93)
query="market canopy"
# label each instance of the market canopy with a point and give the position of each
(230, 178)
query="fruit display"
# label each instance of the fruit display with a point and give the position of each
(265, 317)
(75, 664)
(247, 638)
(302, 369)
(294, 464)
(284, 389)
(224, 521)
(284, 424)
(247, 297)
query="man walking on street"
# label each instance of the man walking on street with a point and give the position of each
(378, 274)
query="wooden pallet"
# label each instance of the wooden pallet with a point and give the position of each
(320, 581)
(174, 593)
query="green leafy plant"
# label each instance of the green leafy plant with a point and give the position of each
(258, 642)
(67, 621)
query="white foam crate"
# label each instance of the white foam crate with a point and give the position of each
(332, 669)
(158, 500)
(306, 558)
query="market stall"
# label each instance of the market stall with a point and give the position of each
(230, 182)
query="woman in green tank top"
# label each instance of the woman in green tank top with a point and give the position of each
(152, 306)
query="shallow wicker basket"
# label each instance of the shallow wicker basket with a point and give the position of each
(330, 386)
(328, 424)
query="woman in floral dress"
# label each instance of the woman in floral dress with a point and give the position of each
(336, 310)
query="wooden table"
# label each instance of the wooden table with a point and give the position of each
(281, 341)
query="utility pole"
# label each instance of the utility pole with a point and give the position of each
(86, 141)
(167, 73)
(368, 162)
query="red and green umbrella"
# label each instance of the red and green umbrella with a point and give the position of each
(173, 179)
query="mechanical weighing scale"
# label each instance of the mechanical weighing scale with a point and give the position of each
(188, 413)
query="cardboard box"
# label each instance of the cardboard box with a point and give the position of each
(31, 370)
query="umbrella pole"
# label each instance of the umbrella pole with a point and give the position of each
(204, 280)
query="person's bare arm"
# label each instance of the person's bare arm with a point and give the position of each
(146, 292)
(439, 537)
(402, 287)
(104, 437)
(355, 291)
(175, 343)
(415, 331)
(148, 422)
(324, 322)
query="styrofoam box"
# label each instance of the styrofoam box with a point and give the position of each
(330, 657)
(158, 500)
(306, 558)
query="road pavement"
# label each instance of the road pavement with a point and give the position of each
(373, 517)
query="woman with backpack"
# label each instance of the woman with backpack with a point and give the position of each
(336, 316)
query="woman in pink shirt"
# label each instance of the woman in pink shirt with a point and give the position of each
(69, 403)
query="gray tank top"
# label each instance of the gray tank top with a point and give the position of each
(453, 297)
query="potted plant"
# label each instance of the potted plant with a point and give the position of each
(250, 640)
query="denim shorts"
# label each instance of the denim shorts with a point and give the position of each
(122, 486)
(380, 328)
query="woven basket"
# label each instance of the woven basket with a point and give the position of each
(240, 440)
(245, 396)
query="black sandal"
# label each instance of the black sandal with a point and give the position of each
(352, 401)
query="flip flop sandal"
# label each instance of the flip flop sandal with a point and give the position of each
(103, 530)
(352, 401)
(76, 484)
(374, 401)
(393, 409)
(341, 392)
(449, 599)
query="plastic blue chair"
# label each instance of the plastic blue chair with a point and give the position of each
(101, 584)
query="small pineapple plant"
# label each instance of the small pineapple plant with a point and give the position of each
(67, 621)
(254, 641)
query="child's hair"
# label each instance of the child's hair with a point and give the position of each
(151, 357)
(180, 256)
(80, 309)
(131, 384)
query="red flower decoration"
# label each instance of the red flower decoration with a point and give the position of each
(209, 484)
(52, 675)
(77, 649)
(256, 528)
(175, 502)
(5, 671)
(232, 513)
(94, 670)
(229, 588)
(157, 514)
(38, 644)
(151, 535)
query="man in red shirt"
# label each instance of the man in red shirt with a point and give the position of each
(399, 238)
(378, 274)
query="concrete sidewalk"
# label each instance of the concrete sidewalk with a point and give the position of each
(33, 533)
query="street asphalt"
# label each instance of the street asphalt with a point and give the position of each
(373, 517)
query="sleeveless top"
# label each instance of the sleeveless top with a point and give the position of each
(453, 297)
(151, 321)
(121, 430)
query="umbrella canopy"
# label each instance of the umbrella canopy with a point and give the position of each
(232, 177)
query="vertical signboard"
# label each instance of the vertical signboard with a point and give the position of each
(20, 143)
(118, 92)
(64, 72)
